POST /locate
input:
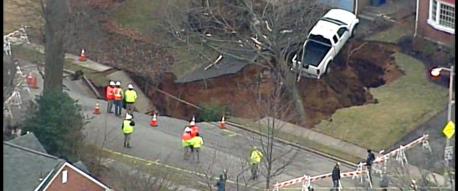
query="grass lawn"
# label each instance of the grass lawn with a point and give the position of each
(148, 17)
(403, 105)
(391, 35)
(21, 12)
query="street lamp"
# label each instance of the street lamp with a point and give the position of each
(436, 72)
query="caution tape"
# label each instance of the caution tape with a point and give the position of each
(358, 171)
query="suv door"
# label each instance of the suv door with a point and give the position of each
(343, 35)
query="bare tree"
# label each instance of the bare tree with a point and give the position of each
(269, 30)
(274, 107)
(56, 14)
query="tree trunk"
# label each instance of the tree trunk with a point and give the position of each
(296, 96)
(56, 14)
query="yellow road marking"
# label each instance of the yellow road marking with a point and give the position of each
(156, 162)
(231, 133)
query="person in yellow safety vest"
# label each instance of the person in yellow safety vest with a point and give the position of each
(255, 158)
(186, 142)
(130, 96)
(118, 98)
(196, 143)
(127, 128)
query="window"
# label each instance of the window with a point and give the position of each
(334, 38)
(442, 16)
(341, 31)
(64, 176)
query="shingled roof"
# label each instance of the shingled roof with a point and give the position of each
(24, 168)
(30, 141)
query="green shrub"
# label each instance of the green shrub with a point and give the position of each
(58, 124)
(211, 112)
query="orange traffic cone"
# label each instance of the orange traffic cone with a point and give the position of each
(193, 121)
(97, 108)
(154, 121)
(33, 82)
(29, 79)
(82, 56)
(221, 123)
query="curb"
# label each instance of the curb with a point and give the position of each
(348, 163)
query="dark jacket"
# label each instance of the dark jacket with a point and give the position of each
(370, 159)
(336, 173)
(221, 184)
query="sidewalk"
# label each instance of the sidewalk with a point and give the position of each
(143, 104)
(318, 137)
(89, 64)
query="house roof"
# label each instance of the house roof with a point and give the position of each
(30, 141)
(24, 168)
(87, 176)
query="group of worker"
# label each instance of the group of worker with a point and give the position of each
(122, 99)
(191, 142)
(115, 95)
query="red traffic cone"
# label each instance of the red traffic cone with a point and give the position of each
(221, 123)
(97, 108)
(33, 82)
(82, 56)
(29, 80)
(193, 121)
(153, 122)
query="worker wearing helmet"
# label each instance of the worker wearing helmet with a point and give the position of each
(255, 158)
(196, 144)
(127, 128)
(130, 97)
(109, 95)
(186, 143)
(118, 95)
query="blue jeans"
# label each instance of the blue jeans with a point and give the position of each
(118, 107)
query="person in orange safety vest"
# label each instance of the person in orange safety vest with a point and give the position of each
(109, 96)
(194, 131)
(118, 95)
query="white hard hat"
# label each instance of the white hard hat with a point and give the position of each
(128, 116)
(130, 86)
(118, 83)
(112, 83)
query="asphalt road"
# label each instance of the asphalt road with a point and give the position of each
(223, 149)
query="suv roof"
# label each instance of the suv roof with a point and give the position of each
(328, 25)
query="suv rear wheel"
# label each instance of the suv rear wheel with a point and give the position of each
(353, 31)
(328, 67)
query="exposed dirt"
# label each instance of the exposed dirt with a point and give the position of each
(345, 86)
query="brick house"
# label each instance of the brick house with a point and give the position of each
(27, 166)
(435, 21)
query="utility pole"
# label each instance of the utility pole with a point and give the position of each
(448, 150)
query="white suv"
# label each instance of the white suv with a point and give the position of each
(324, 42)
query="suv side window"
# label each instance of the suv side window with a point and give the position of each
(334, 38)
(341, 31)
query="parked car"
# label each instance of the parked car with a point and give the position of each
(323, 43)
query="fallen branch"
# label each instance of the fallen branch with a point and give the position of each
(215, 62)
